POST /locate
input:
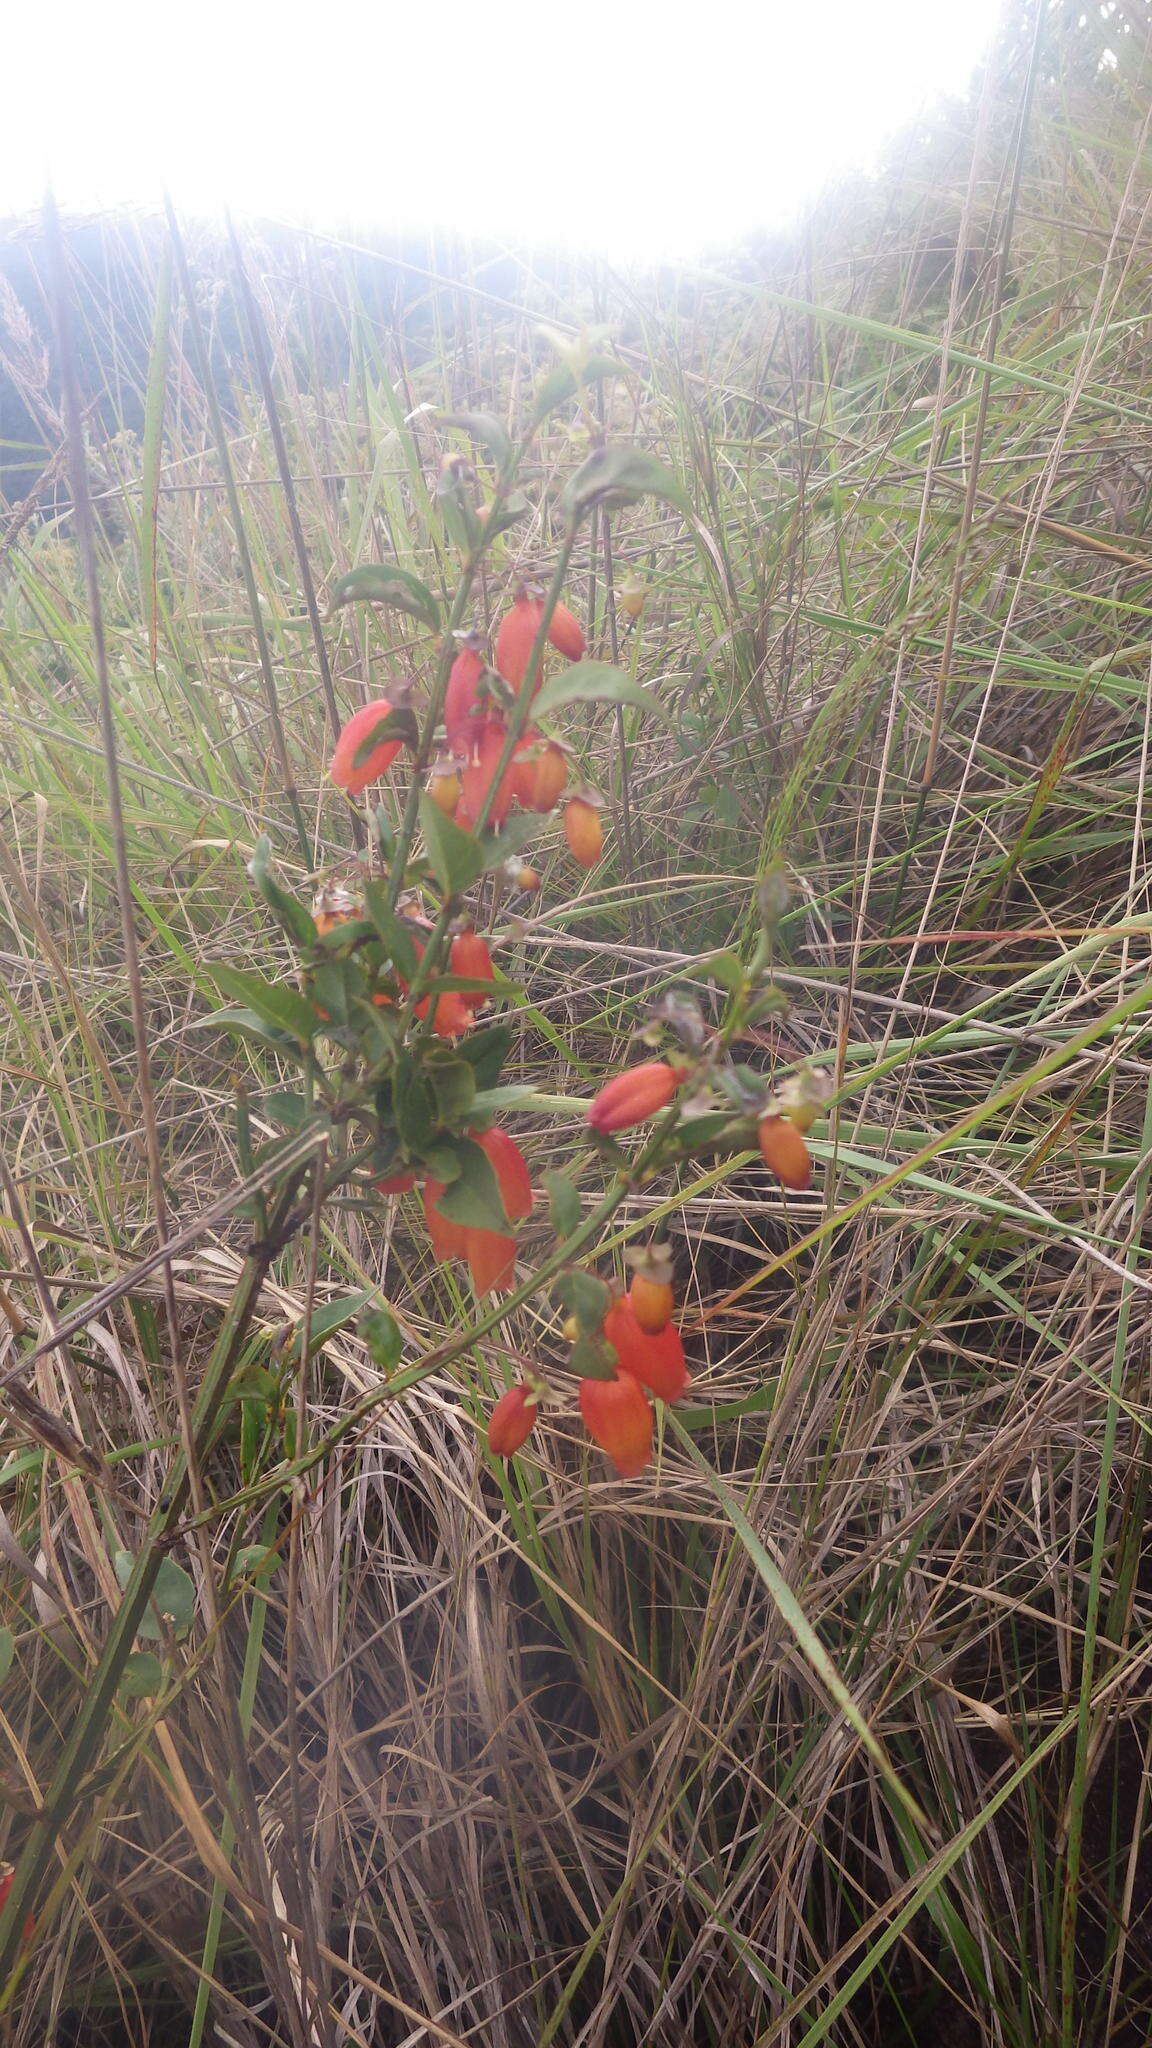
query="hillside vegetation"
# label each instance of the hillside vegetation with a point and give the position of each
(832, 1724)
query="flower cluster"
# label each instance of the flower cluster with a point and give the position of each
(466, 780)
(635, 1351)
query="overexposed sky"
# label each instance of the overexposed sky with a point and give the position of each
(634, 129)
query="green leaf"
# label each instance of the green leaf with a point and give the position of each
(485, 428)
(7, 1652)
(337, 986)
(256, 1561)
(585, 1296)
(254, 1383)
(564, 1205)
(398, 724)
(173, 1595)
(143, 1675)
(412, 1106)
(385, 834)
(394, 932)
(387, 583)
(453, 1083)
(486, 1052)
(561, 384)
(497, 847)
(621, 476)
(19, 1463)
(457, 856)
(747, 1086)
(474, 1198)
(285, 1106)
(771, 1002)
(249, 1025)
(383, 1337)
(506, 512)
(492, 1102)
(344, 937)
(591, 1359)
(294, 916)
(331, 1317)
(726, 968)
(594, 682)
(282, 1007)
(441, 1160)
(700, 1132)
(456, 508)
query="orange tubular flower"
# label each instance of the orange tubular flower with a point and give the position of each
(464, 714)
(544, 777)
(449, 1240)
(565, 635)
(583, 831)
(511, 1169)
(469, 955)
(491, 1259)
(618, 1416)
(343, 770)
(452, 1015)
(633, 1097)
(655, 1359)
(516, 637)
(512, 1420)
(478, 776)
(784, 1152)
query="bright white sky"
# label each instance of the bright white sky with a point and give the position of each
(633, 129)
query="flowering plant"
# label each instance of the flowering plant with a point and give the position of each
(393, 1024)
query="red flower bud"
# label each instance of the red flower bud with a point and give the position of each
(469, 955)
(544, 776)
(343, 770)
(565, 635)
(516, 637)
(784, 1152)
(511, 1420)
(464, 713)
(651, 1302)
(444, 790)
(656, 1359)
(583, 831)
(618, 1416)
(396, 1183)
(632, 1097)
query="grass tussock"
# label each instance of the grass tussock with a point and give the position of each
(833, 1726)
